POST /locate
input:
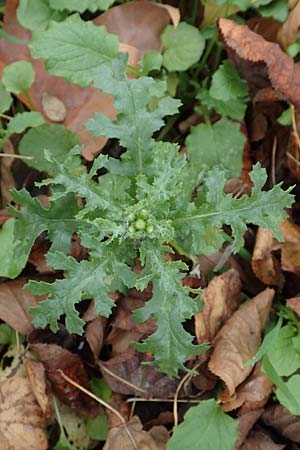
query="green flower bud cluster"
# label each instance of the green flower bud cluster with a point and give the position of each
(140, 222)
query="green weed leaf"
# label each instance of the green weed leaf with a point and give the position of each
(183, 46)
(37, 14)
(205, 427)
(24, 120)
(81, 5)
(13, 252)
(18, 76)
(74, 49)
(220, 144)
(56, 139)
(5, 99)
(283, 356)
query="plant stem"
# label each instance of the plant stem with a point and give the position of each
(182, 252)
(29, 100)
(194, 11)
(165, 130)
(133, 70)
(207, 52)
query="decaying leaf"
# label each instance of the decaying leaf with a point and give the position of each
(239, 340)
(128, 366)
(290, 248)
(22, 425)
(221, 298)
(265, 266)
(258, 440)
(294, 304)
(14, 305)
(252, 394)
(280, 418)
(261, 62)
(56, 359)
(246, 422)
(118, 438)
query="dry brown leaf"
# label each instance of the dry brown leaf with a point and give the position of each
(261, 62)
(118, 438)
(239, 340)
(128, 366)
(7, 180)
(14, 305)
(221, 298)
(290, 248)
(54, 359)
(278, 417)
(37, 378)
(258, 440)
(245, 424)
(94, 334)
(265, 266)
(251, 395)
(22, 425)
(289, 31)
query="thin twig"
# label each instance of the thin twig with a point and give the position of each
(160, 400)
(136, 388)
(5, 116)
(6, 155)
(182, 382)
(274, 148)
(103, 403)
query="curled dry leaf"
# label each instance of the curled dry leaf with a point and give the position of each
(251, 395)
(94, 335)
(278, 417)
(37, 378)
(261, 62)
(246, 422)
(54, 359)
(265, 266)
(22, 424)
(239, 340)
(14, 305)
(290, 248)
(118, 438)
(142, 380)
(289, 31)
(221, 298)
(258, 440)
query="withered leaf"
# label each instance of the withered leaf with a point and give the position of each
(246, 422)
(294, 304)
(278, 417)
(149, 382)
(258, 440)
(7, 181)
(14, 304)
(252, 394)
(265, 266)
(221, 298)
(54, 359)
(118, 438)
(261, 62)
(289, 31)
(290, 248)
(22, 425)
(239, 340)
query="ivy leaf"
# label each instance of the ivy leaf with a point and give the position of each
(24, 120)
(81, 5)
(5, 99)
(56, 139)
(59, 220)
(170, 344)
(205, 427)
(18, 76)
(131, 101)
(183, 46)
(74, 48)
(37, 14)
(220, 144)
(85, 280)
(214, 208)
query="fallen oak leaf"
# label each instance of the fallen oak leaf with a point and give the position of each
(239, 340)
(261, 62)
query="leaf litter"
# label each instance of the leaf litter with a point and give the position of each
(235, 318)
